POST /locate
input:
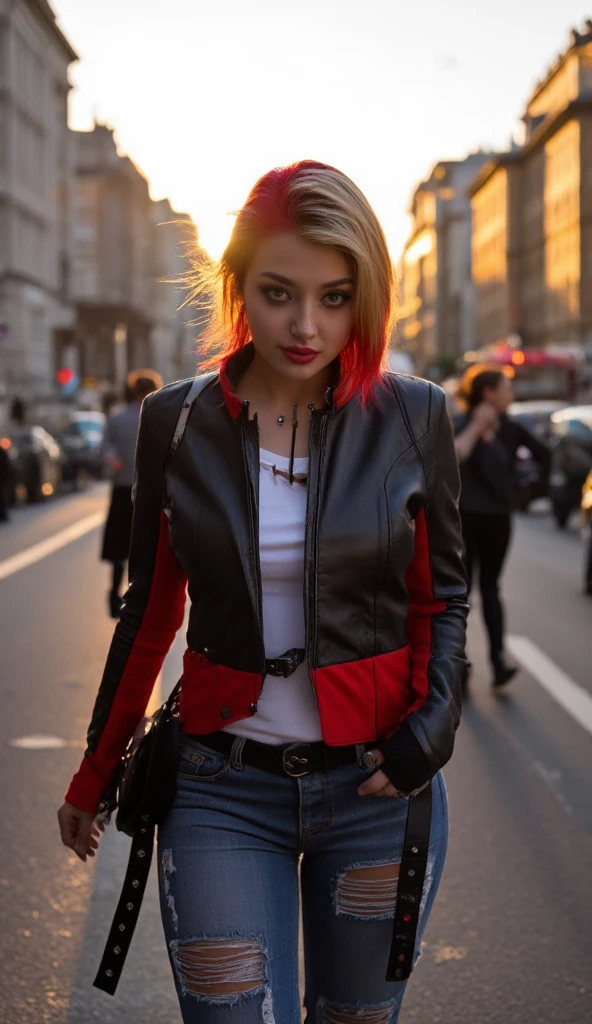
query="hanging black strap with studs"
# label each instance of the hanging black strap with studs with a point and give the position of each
(128, 910)
(412, 872)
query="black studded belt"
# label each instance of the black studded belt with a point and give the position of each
(293, 759)
(412, 872)
(128, 909)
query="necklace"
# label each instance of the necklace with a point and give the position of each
(282, 419)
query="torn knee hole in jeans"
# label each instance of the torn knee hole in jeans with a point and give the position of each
(367, 891)
(219, 970)
(331, 1013)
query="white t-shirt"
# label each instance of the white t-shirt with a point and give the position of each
(287, 710)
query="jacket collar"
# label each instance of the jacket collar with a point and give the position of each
(231, 371)
(233, 367)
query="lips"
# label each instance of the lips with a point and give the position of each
(300, 354)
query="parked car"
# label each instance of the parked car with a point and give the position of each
(81, 442)
(536, 416)
(531, 481)
(73, 445)
(36, 462)
(571, 459)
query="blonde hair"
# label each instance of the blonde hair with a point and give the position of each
(322, 206)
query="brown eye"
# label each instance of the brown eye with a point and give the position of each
(336, 299)
(275, 294)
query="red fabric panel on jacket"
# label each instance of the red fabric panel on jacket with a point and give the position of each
(422, 605)
(362, 701)
(163, 616)
(214, 696)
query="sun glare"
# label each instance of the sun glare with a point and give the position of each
(214, 231)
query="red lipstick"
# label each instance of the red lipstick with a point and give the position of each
(300, 354)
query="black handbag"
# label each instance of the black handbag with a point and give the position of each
(145, 794)
(149, 772)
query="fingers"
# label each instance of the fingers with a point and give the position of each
(82, 848)
(378, 785)
(79, 831)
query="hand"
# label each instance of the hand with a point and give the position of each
(378, 784)
(484, 419)
(80, 830)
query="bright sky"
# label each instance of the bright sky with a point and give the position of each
(207, 95)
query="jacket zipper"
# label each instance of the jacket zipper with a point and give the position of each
(310, 547)
(250, 445)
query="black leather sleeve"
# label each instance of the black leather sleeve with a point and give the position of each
(151, 615)
(435, 722)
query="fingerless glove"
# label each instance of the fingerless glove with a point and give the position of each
(405, 763)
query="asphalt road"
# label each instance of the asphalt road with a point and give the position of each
(510, 938)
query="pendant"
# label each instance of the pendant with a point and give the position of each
(281, 420)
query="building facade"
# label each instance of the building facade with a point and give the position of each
(130, 255)
(532, 216)
(436, 314)
(36, 310)
(113, 278)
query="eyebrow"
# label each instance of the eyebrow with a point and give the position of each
(291, 284)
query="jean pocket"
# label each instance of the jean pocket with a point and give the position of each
(200, 762)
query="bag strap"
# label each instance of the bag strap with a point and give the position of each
(140, 858)
(128, 910)
(412, 872)
(413, 866)
(197, 386)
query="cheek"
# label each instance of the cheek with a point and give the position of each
(343, 326)
(264, 321)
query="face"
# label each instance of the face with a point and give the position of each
(501, 396)
(299, 304)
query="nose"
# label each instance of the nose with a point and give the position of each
(304, 325)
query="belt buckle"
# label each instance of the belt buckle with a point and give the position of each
(293, 765)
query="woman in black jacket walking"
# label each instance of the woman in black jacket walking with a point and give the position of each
(311, 510)
(487, 441)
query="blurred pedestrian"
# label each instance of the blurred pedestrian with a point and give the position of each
(487, 442)
(119, 446)
(18, 411)
(310, 498)
(5, 479)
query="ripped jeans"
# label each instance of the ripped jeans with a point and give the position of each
(229, 856)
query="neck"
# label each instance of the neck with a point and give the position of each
(261, 384)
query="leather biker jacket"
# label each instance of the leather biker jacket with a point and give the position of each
(385, 591)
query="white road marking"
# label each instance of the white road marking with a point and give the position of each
(572, 698)
(38, 743)
(51, 544)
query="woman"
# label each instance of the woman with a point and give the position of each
(486, 443)
(312, 506)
